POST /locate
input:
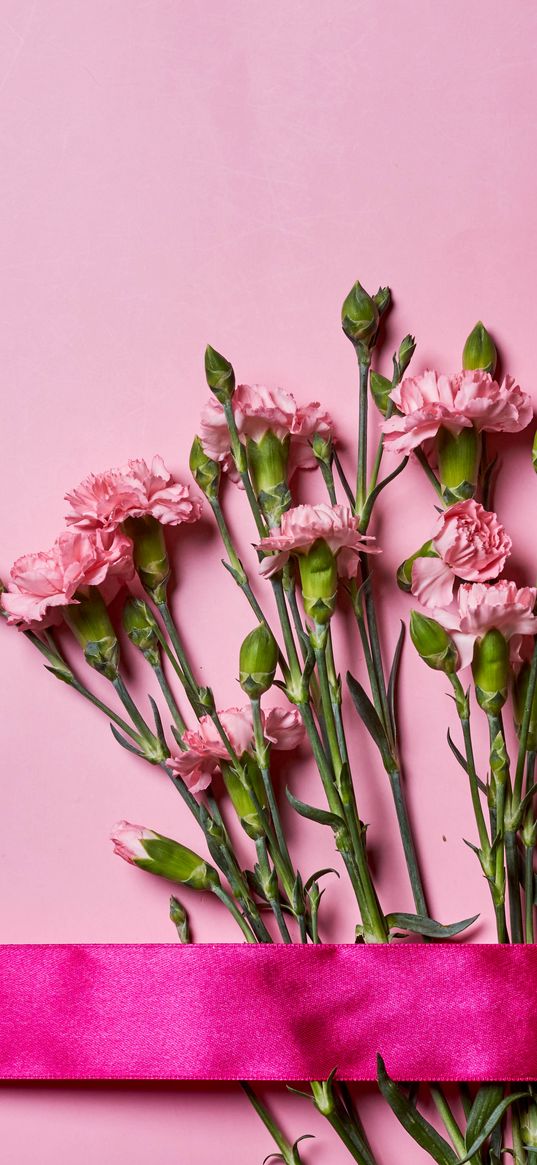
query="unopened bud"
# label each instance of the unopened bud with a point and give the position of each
(433, 643)
(257, 661)
(179, 917)
(323, 448)
(160, 855)
(490, 669)
(90, 623)
(406, 351)
(383, 299)
(141, 627)
(206, 473)
(381, 388)
(244, 804)
(318, 577)
(150, 555)
(479, 350)
(219, 374)
(459, 457)
(360, 316)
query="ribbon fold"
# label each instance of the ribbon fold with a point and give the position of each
(227, 1012)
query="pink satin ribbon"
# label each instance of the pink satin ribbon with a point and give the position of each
(226, 1011)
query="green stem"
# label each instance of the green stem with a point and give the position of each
(420, 456)
(450, 1123)
(529, 893)
(343, 479)
(289, 1152)
(524, 729)
(224, 897)
(361, 477)
(513, 881)
(170, 699)
(128, 703)
(261, 748)
(237, 569)
(191, 687)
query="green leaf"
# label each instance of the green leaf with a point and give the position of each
(319, 874)
(420, 1130)
(313, 814)
(394, 672)
(487, 1099)
(427, 926)
(125, 743)
(490, 1124)
(372, 497)
(368, 714)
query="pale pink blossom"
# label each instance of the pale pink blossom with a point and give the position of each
(480, 607)
(128, 841)
(430, 401)
(205, 749)
(302, 526)
(135, 490)
(470, 544)
(41, 584)
(258, 409)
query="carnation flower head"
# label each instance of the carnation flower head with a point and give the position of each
(431, 401)
(470, 544)
(135, 490)
(205, 750)
(41, 584)
(302, 526)
(480, 607)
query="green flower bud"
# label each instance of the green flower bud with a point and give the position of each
(257, 661)
(381, 388)
(141, 627)
(206, 473)
(479, 350)
(179, 917)
(433, 643)
(499, 760)
(318, 577)
(404, 573)
(241, 798)
(383, 299)
(459, 459)
(490, 669)
(162, 856)
(150, 555)
(90, 623)
(360, 316)
(406, 351)
(323, 448)
(528, 1125)
(519, 703)
(219, 374)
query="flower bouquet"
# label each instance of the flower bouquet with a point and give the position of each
(311, 565)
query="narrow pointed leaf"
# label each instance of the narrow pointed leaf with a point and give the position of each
(487, 1099)
(158, 723)
(379, 488)
(420, 1130)
(312, 813)
(369, 716)
(490, 1125)
(125, 743)
(394, 673)
(319, 874)
(427, 926)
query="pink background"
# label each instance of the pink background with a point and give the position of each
(174, 173)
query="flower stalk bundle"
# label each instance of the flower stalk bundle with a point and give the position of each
(469, 622)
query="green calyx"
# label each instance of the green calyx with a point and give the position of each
(168, 859)
(406, 351)
(433, 643)
(89, 621)
(459, 458)
(244, 804)
(490, 669)
(219, 375)
(258, 659)
(206, 473)
(519, 703)
(323, 449)
(528, 1125)
(179, 917)
(404, 573)
(141, 627)
(360, 316)
(479, 351)
(381, 388)
(267, 462)
(150, 555)
(318, 577)
(383, 299)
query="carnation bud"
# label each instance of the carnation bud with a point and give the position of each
(90, 623)
(519, 704)
(150, 555)
(220, 375)
(383, 299)
(257, 661)
(141, 627)
(179, 917)
(404, 573)
(318, 577)
(322, 448)
(479, 350)
(490, 669)
(241, 798)
(459, 458)
(528, 1125)
(360, 316)
(406, 351)
(433, 643)
(162, 856)
(381, 388)
(206, 473)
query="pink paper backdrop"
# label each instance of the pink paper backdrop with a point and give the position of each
(174, 173)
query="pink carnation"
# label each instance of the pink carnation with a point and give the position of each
(471, 544)
(128, 840)
(205, 749)
(304, 525)
(41, 582)
(133, 491)
(502, 605)
(430, 401)
(256, 410)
